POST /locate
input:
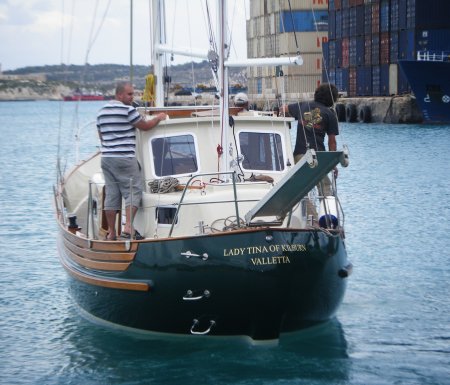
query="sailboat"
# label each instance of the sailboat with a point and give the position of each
(228, 247)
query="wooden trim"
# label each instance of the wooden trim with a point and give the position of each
(104, 282)
(97, 245)
(99, 255)
(107, 266)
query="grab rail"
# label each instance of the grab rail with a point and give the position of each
(180, 203)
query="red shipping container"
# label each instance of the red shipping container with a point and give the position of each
(384, 48)
(345, 52)
(376, 18)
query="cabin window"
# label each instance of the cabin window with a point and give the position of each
(174, 155)
(165, 215)
(261, 151)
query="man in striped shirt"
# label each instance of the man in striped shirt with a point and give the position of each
(117, 122)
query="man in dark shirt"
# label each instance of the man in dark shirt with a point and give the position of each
(315, 120)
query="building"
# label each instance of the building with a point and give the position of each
(285, 28)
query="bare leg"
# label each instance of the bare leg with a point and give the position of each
(111, 221)
(129, 216)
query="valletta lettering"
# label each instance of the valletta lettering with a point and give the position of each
(270, 260)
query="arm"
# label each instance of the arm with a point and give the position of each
(332, 142)
(146, 125)
(332, 147)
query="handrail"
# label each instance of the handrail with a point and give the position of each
(433, 56)
(180, 203)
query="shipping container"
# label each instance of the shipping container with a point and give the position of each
(375, 17)
(352, 81)
(368, 50)
(338, 24)
(298, 4)
(384, 48)
(312, 65)
(332, 25)
(353, 22)
(345, 13)
(406, 44)
(394, 16)
(384, 16)
(384, 80)
(300, 84)
(342, 79)
(376, 80)
(364, 81)
(352, 51)
(308, 42)
(345, 52)
(401, 14)
(360, 50)
(411, 13)
(393, 46)
(303, 21)
(393, 79)
(329, 77)
(338, 53)
(375, 49)
(332, 54)
(368, 19)
(359, 19)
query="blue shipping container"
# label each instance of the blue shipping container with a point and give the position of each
(364, 81)
(384, 16)
(368, 19)
(342, 79)
(406, 45)
(360, 50)
(332, 25)
(345, 22)
(338, 24)
(303, 21)
(376, 80)
(384, 80)
(393, 46)
(394, 15)
(375, 49)
(402, 14)
(359, 18)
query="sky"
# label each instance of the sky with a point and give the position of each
(49, 32)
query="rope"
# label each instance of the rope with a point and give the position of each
(163, 186)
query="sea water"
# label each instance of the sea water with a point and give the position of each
(392, 328)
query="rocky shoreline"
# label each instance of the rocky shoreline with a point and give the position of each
(394, 109)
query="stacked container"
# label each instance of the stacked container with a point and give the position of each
(286, 28)
(368, 37)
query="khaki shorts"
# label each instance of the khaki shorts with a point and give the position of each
(123, 179)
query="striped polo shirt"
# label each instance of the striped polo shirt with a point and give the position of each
(115, 125)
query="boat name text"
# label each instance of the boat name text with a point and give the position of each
(251, 250)
(270, 260)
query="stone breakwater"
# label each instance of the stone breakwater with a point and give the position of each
(389, 109)
(34, 91)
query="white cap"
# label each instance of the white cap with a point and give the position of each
(240, 99)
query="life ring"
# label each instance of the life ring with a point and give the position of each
(351, 113)
(340, 112)
(365, 114)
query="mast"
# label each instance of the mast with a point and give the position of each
(159, 38)
(223, 81)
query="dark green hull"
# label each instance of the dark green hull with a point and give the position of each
(256, 283)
